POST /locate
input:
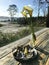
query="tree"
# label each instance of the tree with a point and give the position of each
(47, 22)
(37, 5)
(28, 10)
(12, 11)
(44, 9)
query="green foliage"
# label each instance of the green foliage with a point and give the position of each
(1, 25)
(6, 38)
(12, 11)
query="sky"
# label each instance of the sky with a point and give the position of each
(4, 4)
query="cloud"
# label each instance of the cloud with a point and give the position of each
(5, 13)
(19, 15)
(29, 5)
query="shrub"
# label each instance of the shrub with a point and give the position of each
(6, 38)
(1, 25)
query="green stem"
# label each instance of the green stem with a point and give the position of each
(32, 32)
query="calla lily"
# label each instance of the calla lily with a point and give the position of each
(28, 10)
(24, 13)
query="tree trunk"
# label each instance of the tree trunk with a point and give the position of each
(47, 22)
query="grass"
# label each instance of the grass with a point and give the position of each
(1, 25)
(6, 38)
